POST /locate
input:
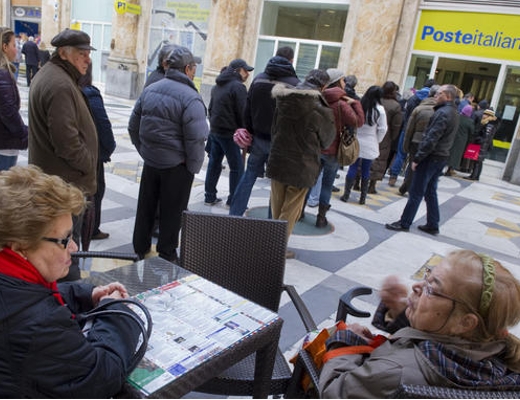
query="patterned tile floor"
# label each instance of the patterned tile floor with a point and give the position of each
(483, 215)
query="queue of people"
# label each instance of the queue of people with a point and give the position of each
(69, 137)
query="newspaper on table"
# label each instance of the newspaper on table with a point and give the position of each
(193, 320)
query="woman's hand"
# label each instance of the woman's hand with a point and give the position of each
(394, 296)
(114, 290)
(361, 331)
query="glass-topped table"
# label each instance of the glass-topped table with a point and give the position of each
(199, 329)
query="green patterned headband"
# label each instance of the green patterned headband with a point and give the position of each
(488, 284)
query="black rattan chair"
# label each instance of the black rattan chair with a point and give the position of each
(305, 364)
(246, 256)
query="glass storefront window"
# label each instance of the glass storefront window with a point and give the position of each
(304, 20)
(418, 71)
(508, 110)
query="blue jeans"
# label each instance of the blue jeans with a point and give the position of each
(329, 168)
(365, 168)
(260, 149)
(222, 146)
(400, 157)
(313, 196)
(424, 184)
(7, 162)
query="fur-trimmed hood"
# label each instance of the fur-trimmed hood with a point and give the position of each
(303, 125)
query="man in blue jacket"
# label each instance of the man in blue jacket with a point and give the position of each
(168, 128)
(429, 161)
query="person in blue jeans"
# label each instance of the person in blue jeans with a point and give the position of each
(400, 155)
(429, 161)
(226, 115)
(258, 117)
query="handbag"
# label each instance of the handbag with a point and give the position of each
(472, 151)
(146, 330)
(348, 148)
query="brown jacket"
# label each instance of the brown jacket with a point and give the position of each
(62, 134)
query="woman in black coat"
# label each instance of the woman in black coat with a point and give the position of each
(45, 350)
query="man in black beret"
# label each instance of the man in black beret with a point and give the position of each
(62, 134)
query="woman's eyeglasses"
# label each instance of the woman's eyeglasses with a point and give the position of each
(430, 291)
(64, 242)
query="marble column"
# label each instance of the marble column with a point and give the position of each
(369, 41)
(232, 29)
(55, 18)
(122, 75)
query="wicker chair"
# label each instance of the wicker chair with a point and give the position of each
(246, 256)
(306, 364)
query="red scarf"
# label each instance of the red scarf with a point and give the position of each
(14, 265)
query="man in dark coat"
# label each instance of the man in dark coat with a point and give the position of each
(62, 134)
(400, 155)
(226, 115)
(429, 161)
(32, 58)
(303, 125)
(258, 117)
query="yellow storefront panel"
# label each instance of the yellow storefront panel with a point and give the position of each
(469, 33)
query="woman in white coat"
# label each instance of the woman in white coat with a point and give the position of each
(369, 136)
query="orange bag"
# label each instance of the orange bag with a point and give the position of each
(318, 350)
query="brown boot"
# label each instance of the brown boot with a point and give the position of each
(321, 219)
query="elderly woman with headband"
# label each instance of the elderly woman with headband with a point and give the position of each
(457, 336)
(44, 351)
(13, 131)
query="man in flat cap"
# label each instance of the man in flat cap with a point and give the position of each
(168, 128)
(226, 115)
(62, 134)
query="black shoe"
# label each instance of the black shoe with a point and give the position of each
(470, 178)
(335, 189)
(396, 226)
(212, 203)
(427, 229)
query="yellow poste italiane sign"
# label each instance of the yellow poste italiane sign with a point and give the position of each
(469, 33)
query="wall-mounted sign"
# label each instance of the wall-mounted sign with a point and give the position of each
(19, 11)
(469, 33)
(124, 7)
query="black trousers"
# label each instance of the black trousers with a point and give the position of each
(170, 188)
(98, 197)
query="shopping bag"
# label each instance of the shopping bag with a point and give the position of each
(472, 151)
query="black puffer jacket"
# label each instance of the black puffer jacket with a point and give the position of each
(168, 123)
(439, 135)
(13, 131)
(260, 104)
(44, 353)
(228, 100)
(303, 125)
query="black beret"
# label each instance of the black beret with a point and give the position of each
(74, 38)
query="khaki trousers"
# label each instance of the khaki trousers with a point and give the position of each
(286, 203)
